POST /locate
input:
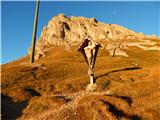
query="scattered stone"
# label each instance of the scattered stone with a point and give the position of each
(31, 64)
(91, 87)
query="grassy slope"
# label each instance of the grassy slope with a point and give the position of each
(135, 78)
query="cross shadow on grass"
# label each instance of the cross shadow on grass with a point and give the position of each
(113, 71)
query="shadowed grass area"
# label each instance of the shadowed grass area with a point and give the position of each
(11, 110)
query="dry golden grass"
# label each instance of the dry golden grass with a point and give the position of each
(133, 83)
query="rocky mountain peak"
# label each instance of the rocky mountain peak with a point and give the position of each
(69, 31)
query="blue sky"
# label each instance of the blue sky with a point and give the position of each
(17, 19)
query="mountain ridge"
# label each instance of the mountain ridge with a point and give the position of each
(70, 31)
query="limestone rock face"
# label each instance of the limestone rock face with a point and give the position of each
(69, 31)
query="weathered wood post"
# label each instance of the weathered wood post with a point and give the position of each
(91, 74)
(89, 50)
(34, 33)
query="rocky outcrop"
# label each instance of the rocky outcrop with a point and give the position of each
(69, 31)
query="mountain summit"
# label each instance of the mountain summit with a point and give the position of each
(69, 31)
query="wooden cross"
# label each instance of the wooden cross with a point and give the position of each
(89, 50)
